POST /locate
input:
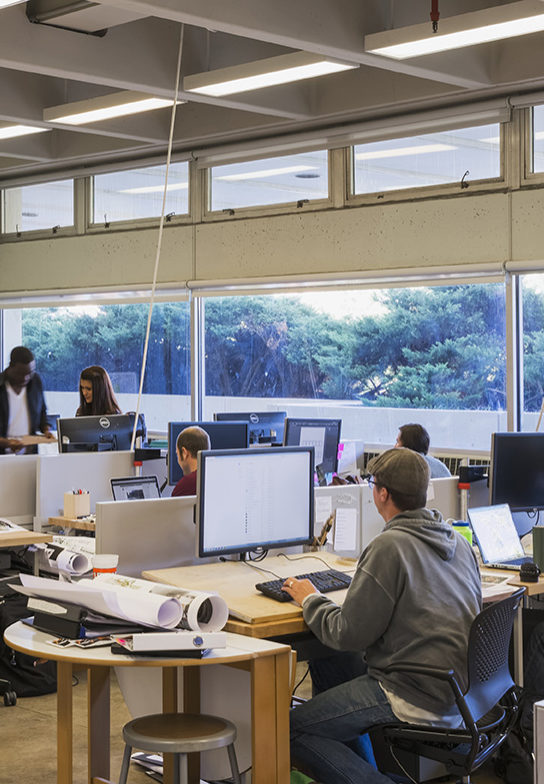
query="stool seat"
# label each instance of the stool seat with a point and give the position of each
(179, 734)
(175, 733)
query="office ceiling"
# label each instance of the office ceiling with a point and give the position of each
(43, 65)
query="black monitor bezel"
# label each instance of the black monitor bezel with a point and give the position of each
(494, 498)
(265, 418)
(315, 422)
(117, 424)
(174, 471)
(238, 549)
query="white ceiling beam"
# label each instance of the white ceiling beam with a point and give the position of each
(138, 56)
(333, 29)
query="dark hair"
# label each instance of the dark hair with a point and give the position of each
(103, 401)
(415, 437)
(194, 439)
(405, 501)
(21, 355)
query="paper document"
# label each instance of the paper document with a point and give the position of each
(7, 527)
(67, 554)
(345, 529)
(322, 508)
(205, 612)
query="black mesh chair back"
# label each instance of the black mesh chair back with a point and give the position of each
(488, 705)
(489, 640)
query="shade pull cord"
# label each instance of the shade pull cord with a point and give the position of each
(435, 15)
(159, 239)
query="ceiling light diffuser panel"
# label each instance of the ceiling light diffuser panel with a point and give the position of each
(104, 107)
(455, 32)
(268, 72)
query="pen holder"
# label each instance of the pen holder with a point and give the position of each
(77, 504)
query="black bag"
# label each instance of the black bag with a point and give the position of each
(28, 676)
(513, 762)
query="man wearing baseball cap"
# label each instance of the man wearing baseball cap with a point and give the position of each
(414, 594)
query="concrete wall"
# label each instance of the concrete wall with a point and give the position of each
(456, 230)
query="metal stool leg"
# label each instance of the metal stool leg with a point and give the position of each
(181, 774)
(125, 766)
(234, 764)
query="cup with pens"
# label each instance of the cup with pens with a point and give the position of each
(77, 503)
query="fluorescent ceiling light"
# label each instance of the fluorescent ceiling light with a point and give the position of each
(263, 73)
(254, 175)
(11, 131)
(176, 186)
(5, 3)
(477, 27)
(104, 107)
(397, 152)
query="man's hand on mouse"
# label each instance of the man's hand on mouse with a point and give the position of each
(299, 589)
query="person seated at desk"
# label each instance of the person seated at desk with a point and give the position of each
(413, 597)
(415, 437)
(190, 442)
(22, 404)
(96, 395)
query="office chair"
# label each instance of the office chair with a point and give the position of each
(488, 707)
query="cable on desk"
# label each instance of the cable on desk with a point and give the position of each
(301, 681)
(310, 555)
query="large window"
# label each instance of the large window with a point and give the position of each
(48, 205)
(377, 359)
(138, 193)
(65, 340)
(284, 180)
(532, 287)
(429, 159)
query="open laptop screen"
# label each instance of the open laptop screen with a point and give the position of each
(134, 488)
(496, 533)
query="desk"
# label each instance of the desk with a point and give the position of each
(252, 613)
(267, 662)
(80, 524)
(23, 539)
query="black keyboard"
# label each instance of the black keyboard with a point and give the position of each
(325, 581)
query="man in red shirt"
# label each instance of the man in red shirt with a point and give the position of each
(190, 442)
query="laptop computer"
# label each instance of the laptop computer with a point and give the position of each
(134, 488)
(497, 538)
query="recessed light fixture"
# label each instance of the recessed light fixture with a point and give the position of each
(476, 27)
(12, 131)
(398, 152)
(255, 175)
(263, 73)
(105, 107)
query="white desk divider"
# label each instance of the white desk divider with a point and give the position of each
(18, 488)
(92, 471)
(147, 534)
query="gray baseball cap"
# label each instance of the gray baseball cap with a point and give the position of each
(402, 470)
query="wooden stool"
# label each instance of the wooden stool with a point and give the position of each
(179, 734)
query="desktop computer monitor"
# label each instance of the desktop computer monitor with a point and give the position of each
(322, 434)
(254, 498)
(265, 427)
(223, 435)
(111, 432)
(517, 470)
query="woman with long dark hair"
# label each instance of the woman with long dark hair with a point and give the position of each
(96, 395)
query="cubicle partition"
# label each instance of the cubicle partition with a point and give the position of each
(92, 471)
(147, 534)
(18, 488)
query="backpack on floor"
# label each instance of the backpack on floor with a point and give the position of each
(29, 676)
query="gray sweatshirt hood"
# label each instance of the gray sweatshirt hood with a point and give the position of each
(428, 526)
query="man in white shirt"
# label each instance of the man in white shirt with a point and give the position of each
(22, 404)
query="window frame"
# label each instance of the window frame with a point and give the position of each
(39, 234)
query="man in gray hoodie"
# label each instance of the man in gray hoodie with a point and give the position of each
(413, 597)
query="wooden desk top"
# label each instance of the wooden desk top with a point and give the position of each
(73, 522)
(251, 612)
(22, 538)
(24, 638)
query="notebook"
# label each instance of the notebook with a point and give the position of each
(497, 538)
(134, 488)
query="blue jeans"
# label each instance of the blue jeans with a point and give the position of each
(322, 728)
